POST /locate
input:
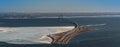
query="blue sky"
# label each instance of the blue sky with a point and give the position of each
(59, 5)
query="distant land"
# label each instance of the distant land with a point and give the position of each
(13, 15)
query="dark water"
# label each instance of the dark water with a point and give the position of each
(107, 35)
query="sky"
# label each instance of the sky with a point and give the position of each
(59, 5)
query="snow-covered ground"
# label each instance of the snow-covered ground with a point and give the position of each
(29, 35)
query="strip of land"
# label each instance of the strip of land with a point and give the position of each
(64, 37)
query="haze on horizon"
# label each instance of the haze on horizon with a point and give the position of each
(59, 6)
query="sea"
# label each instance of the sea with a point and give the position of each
(107, 33)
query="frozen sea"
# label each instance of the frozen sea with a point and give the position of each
(106, 35)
